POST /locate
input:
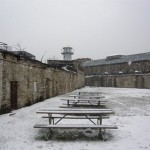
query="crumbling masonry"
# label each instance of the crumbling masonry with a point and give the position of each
(24, 81)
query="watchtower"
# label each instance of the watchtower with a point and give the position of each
(67, 52)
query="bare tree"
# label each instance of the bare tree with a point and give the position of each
(19, 47)
(43, 55)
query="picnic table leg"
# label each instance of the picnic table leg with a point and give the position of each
(99, 104)
(50, 118)
(76, 103)
(100, 134)
(53, 121)
(48, 135)
(90, 119)
(60, 119)
(67, 102)
(89, 103)
(99, 120)
(100, 130)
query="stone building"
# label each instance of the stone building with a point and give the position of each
(26, 81)
(129, 71)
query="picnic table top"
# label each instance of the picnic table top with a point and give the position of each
(75, 112)
(92, 100)
(86, 96)
(88, 92)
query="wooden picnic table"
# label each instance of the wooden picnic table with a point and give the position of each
(75, 112)
(75, 102)
(89, 93)
(88, 114)
(86, 96)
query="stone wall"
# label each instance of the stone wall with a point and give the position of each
(125, 68)
(1, 85)
(35, 81)
(125, 75)
(120, 81)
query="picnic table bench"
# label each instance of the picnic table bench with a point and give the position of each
(74, 109)
(75, 126)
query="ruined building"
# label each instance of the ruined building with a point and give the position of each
(128, 71)
(25, 81)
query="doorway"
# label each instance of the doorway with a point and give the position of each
(47, 88)
(13, 94)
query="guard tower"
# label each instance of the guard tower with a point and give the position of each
(67, 52)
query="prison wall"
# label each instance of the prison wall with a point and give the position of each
(36, 81)
(124, 68)
(120, 81)
(1, 85)
(123, 75)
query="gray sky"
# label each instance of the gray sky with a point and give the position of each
(94, 28)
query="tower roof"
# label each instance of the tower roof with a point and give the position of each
(68, 47)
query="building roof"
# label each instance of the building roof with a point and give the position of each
(24, 54)
(117, 59)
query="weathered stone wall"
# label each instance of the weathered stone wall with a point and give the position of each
(127, 75)
(120, 81)
(35, 81)
(125, 68)
(1, 85)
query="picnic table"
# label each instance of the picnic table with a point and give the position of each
(56, 115)
(75, 112)
(81, 101)
(73, 116)
(89, 93)
(86, 96)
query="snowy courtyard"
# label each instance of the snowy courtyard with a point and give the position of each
(132, 116)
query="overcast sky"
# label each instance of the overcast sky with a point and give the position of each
(94, 28)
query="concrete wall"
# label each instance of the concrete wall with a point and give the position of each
(36, 81)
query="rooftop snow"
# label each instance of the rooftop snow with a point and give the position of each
(119, 59)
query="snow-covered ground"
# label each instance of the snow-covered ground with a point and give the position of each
(132, 116)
